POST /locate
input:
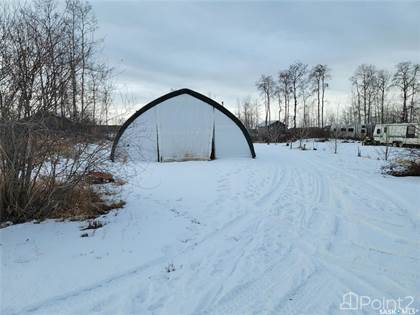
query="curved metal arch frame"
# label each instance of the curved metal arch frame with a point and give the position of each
(174, 94)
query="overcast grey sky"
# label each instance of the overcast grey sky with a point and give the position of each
(221, 48)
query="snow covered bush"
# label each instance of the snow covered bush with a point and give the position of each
(405, 164)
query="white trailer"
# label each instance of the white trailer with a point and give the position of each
(340, 131)
(356, 131)
(404, 134)
(363, 131)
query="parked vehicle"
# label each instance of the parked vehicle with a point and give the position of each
(342, 131)
(356, 131)
(404, 134)
(364, 131)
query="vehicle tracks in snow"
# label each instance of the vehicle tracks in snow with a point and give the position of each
(277, 237)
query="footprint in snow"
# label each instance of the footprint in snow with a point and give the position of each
(175, 211)
(195, 221)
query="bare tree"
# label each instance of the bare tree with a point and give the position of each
(285, 90)
(248, 112)
(406, 80)
(364, 80)
(278, 94)
(356, 98)
(315, 79)
(319, 76)
(383, 84)
(297, 72)
(305, 95)
(47, 62)
(325, 76)
(266, 86)
(49, 59)
(415, 87)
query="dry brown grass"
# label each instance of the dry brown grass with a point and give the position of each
(80, 203)
(85, 202)
(46, 175)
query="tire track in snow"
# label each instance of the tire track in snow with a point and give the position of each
(349, 216)
(226, 185)
(304, 299)
(321, 195)
(348, 179)
(286, 253)
(243, 295)
(87, 289)
(252, 295)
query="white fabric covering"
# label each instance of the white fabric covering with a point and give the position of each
(181, 128)
(185, 129)
(229, 139)
(139, 140)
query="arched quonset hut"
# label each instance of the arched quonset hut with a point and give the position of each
(182, 125)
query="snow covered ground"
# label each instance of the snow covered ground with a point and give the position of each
(287, 233)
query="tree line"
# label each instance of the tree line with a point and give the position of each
(293, 89)
(298, 95)
(379, 96)
(49, 62)
(53, 88)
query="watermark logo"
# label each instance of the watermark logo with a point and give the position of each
(350, 301)
(401, 306)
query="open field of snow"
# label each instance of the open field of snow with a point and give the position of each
(287, 233)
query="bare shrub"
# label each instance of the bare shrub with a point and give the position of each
(44, 174)
(405, 164)
(53, 94)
